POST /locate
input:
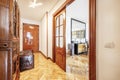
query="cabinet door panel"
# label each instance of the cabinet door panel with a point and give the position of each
(5, 66)
(4, 23)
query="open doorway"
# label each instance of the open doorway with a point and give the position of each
(80, 39)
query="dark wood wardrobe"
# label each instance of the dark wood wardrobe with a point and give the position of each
(9, 40)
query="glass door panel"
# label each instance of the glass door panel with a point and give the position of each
(61, 30)
(61, 42)
(61, 19)
(57, 21)
(57, 31)
(57, 41)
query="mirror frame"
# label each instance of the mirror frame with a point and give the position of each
(72, 25)
(92, 36)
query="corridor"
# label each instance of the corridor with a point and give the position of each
(45, 69)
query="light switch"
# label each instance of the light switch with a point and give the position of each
(110, 45)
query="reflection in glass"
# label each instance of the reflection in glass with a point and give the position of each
(61, 42)
(28, 35)
(61, 30)
(61, 19)
(29, 38)
(57, 31)
(57, 41)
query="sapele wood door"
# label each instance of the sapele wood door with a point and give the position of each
(30, 37)
(60, 51)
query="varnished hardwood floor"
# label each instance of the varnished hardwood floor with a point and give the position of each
(45, 69)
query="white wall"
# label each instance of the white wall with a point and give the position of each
(50, 26)
(79, 10)
(43, 35)
(22, 20)
(108, 34)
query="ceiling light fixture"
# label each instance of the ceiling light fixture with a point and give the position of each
(34, 4)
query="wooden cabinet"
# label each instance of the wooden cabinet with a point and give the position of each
(4, 20)
(78, 48)
(9, 40)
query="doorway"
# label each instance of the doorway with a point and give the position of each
(90, 39)
(30, 37)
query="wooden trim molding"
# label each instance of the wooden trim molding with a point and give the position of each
(50, 59)
(53, 40)
(67, 2)
(30, 24)
(92, 40)
(43, 54)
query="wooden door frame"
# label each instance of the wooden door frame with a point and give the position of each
(23, 32)
(92, 36)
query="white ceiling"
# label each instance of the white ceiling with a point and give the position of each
(35, 13)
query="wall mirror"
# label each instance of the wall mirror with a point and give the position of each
(78, 31)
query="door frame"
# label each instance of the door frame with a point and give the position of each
(23, 33)
(92, 36)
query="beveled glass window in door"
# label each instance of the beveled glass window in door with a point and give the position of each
(59, 31)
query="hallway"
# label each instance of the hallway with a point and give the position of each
(99, 36)
(47, 70)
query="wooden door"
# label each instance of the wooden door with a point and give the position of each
(31, 37)
(60, 51)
